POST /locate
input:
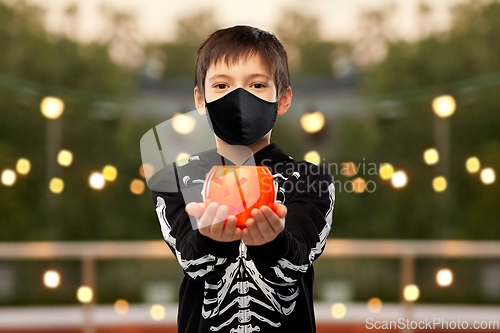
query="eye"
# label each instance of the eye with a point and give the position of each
(259, 85)
(220, 84)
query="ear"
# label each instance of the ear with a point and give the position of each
(199, 101)
(285, 101)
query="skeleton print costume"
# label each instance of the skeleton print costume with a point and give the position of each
(231, 287)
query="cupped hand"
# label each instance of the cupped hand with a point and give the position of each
(265, 225)
(210, 221)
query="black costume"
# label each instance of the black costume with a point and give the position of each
(232, 287)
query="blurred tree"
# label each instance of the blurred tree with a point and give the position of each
(432, 66)
(308, 54)
(178, 58)
(33, 64)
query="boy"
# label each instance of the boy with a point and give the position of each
(260, 278)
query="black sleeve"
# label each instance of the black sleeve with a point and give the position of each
(307, 225)
(199, 256)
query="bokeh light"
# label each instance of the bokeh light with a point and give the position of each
(109, 173)
(137, 186)
(488, 176)
(157, 312)
(349, 169)
(56, 185)
(358, 185)
(52, 107)
(121, 306)
(96, 181)
(146, 170)
(8, 177)
(65, 157)
(431, 156)
(312, 157)
(444, 277)
(472, 164)
(399, 179)
(51, 279)
(338, 310)
(374, 305)
(183, 123)
(386, 171)
(411, 293)
(23, 166)
(444, 106)
(84, 294)
(312, 122)
(439, 184)
(182, 158)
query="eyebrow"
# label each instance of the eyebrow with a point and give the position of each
(229, 77)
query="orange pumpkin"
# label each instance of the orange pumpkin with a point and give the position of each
(240, 188)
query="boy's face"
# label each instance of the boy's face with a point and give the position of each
(249, 74)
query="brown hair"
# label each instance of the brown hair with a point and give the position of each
(230, 44)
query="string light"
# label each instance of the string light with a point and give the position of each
(312, 122)
(8, 177)
(23, 166)
(338, 310)
(52, 107)
(444, 277)
(431, 156)
(51, 279)
(374, 305)
(411, 293)
(399, 179)
(386, 171)
(84, 294)
(157, 312)
(312, 157)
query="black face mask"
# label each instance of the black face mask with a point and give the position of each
(240, 117)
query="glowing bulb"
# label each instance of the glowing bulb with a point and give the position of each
(23, 166)
(358, 185)
(312, 157)
(399, 179)
(444, 106)
(147, 170)
(472, 164)
(56, 185)
(157, 312)
(137, 186)
(109, 173)
(312, 122)
(411, 293)
(96, 181)
(8, 177)
(65, 157)
(121, 306)
(444, 277)
(488, 176)
(183, 123)
(374, 305)
(386, 171)
(51, 279)
(439, 184)
(348, 169)
(84, 294)
(52, 107)
(182, 158)
(338, 310)
(431, 156)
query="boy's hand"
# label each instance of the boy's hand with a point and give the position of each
(265, 225)
(211, 221)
